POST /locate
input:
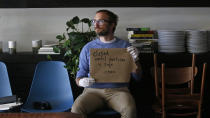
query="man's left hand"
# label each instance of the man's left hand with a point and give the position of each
(134, 52)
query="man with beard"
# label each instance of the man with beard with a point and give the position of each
(96, 95)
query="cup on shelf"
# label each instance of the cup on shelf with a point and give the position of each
(12, 47)
(36, 44)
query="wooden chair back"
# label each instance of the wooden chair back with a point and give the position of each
(185, 102)
(175, 76)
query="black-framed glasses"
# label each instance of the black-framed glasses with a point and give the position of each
(99, 22)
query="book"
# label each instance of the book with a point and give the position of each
(142, 40)
(142, 32)
(50, 45)
(7, 99)
(145, 46)
(138, 29)
(46, 49)
(8, 106)
(141, 37)
(47, 52)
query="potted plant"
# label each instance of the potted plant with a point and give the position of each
(72, 41)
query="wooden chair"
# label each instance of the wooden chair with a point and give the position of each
(176, 94)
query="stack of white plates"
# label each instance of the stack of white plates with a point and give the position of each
(197, 41)
(170, 41)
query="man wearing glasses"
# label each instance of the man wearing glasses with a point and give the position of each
(96, 95)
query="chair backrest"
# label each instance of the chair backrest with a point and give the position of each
(176, 75)
(189, 102)
(50, 83)
(176, 92)
(5, 88)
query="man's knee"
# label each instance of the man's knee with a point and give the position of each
(129, 108)
(128, 111)
(79, 109)
(76, 108)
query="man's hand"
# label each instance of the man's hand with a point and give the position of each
(86, 81)
(134, 52)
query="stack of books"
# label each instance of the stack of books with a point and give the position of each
(47, 49)
(143, 38)
(8, 102)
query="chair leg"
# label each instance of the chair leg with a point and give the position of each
(199, 114)
(164, 114)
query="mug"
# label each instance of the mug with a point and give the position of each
(36, 44)
(12, 47)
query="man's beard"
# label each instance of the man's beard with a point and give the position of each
(103, 33)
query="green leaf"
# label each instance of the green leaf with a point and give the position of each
(72, 35)
(56, 49)
(60, 37)
(68, 53)
(75, 20)
(77, 61)
(67, 29)
(70, 24)
(79, 46)
(64, 37)
(49, 57)
(87, 21)
(66, 44)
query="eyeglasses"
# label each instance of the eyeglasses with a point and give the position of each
(99, 22)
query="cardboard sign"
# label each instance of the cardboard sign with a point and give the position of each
(111, 65)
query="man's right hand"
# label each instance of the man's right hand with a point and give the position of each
(86, 81)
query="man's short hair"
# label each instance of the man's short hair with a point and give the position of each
(113, 18)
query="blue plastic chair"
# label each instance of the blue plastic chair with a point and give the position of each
(50, 83)
(5, 88)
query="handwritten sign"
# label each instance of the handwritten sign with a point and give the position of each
(111, 65)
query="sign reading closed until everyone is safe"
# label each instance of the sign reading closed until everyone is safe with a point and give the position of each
(111, 65)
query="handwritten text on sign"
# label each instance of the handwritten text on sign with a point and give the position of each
(111, 65)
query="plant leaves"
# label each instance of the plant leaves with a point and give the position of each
(87, 21)
(49, 57)
(68, 53)
(66, 44)
(70, 24)
(75, 20)
(70, 45)
(60, 37)
(56, 49)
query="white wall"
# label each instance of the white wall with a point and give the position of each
(25, 25)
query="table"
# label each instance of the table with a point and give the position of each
(40, 115)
